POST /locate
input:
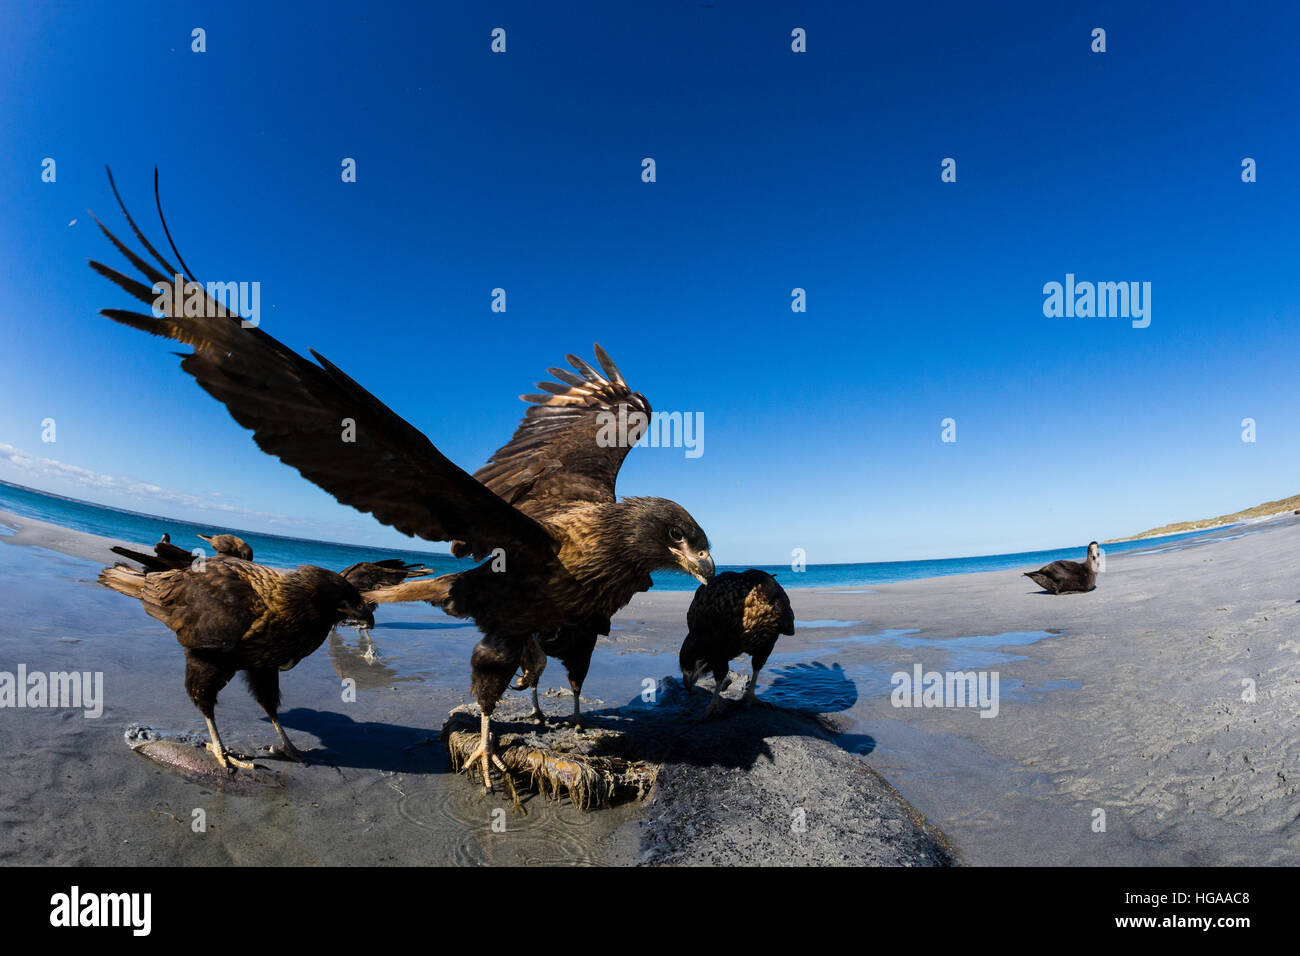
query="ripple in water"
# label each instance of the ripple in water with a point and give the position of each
(550, 833)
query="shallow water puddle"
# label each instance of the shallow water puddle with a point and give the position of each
(795, 681)
(829, 622)
(976, 650)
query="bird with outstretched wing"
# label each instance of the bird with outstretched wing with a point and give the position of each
(562, 547)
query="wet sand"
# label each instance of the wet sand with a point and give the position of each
(379, 790)
(1127, 700)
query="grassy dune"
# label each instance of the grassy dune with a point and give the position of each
(1259, 511)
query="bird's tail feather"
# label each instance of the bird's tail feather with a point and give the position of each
(124, 580)
(435, 590)
(1042, 580)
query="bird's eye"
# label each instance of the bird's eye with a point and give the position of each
(675, 534)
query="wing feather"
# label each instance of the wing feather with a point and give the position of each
(298, 412)
(561, 453)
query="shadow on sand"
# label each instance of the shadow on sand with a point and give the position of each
(373, 745)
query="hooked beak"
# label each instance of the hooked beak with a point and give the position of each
(362, 614)
(698, 564)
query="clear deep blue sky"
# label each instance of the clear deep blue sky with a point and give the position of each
(775, 170)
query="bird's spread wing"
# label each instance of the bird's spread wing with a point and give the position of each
(302, 412)
(572, 440)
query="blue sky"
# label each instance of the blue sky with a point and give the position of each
(775, 170)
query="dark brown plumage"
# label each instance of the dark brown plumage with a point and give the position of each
(563, 548)
(1069, 577)
(740, 612)
(238, 616)
(232, 546)
(168, 557)
(369, 575)
(372, 575)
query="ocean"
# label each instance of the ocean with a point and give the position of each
(279, 551)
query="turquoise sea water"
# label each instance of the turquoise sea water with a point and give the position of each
(281, 551)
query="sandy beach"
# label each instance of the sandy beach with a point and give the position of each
(1126, 702)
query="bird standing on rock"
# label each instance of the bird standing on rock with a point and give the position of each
(740, 612)
(561, 546)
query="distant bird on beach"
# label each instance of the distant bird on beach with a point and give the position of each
(738, 613)
(562, 548)
(232, 546)
(166, 556)
(1069, 577)
(238, 616)
(573, 645)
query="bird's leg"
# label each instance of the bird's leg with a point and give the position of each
(494, 661)
(576, 718)
(286, 749)
(532, 665)
(264, 682)
(224, 757)
(748, 698)
(486, 751)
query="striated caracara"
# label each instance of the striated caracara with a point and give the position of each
(232, 546)
(740, 612)
(238, 616)
(168, 557)
(561, 547)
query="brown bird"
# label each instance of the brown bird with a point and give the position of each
(1069, 577)
(562, 547)
(166, 556)
(230, 545)
(740, 612)
(238, 616)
